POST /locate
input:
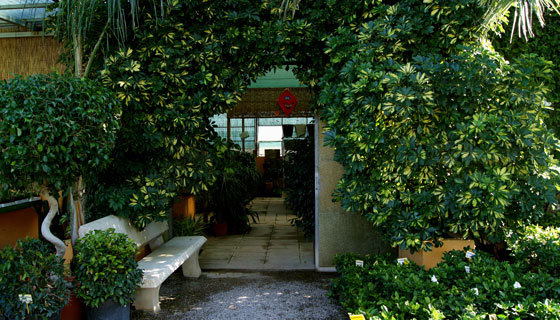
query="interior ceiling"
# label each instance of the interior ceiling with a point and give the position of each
(25, 14)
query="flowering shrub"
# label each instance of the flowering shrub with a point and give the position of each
(458, 288)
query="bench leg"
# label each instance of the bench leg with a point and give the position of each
(147, 299)
(191, 268)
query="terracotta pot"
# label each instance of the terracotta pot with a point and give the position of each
(220, 229)
(73, 310)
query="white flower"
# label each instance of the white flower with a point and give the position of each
(434, 279)
(517, 285)
(475, 291)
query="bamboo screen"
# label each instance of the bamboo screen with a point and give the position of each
(28, 55)
(263, 103)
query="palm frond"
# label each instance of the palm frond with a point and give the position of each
(288, 6)
(522, 15)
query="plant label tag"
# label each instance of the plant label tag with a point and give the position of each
(26, 298)
(359, 263)
(356, 316)
(402, 261)
(469, 254)
(467, 269)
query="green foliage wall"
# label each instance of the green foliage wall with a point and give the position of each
(180, 70)
(545, 44)
(438, 135)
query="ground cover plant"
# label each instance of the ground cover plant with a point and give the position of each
(489, 289)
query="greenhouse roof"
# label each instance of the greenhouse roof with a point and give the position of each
(27, 14)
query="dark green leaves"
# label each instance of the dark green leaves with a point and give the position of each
(106, 268)
(53, 129)
(32, 268)
(437, 134)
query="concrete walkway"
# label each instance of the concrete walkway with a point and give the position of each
(272, 244)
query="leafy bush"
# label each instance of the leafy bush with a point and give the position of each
(188, 226)
(438, 135)
(299, 174)
(105, 268)
(383, 289)
(53, 128)
(31, 268)
(538, 248)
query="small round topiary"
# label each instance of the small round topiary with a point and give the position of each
(31, 272)
(105, 268)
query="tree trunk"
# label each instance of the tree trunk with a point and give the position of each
(46, 225)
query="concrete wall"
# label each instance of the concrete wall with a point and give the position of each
(337, 231)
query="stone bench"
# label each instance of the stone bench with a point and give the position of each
(164, 259)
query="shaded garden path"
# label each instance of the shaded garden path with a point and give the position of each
(272, 244)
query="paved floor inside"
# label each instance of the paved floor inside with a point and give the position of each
(272, 244)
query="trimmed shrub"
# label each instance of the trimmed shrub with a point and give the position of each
(105, 268)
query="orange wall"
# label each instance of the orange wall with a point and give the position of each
(17, 225)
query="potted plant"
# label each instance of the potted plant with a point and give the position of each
(32, 284)
(107, 273)
(237, 180)
(54, 129)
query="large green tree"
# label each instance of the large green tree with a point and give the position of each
(438, 135)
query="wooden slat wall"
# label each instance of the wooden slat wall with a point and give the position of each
(29, 55)
(263, 102)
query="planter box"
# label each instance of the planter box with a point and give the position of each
(430, 259)
(18, 220)
(184, 207)
(108, 310)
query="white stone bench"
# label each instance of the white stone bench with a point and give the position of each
(164, 259)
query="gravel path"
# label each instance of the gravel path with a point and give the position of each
(247, 295)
